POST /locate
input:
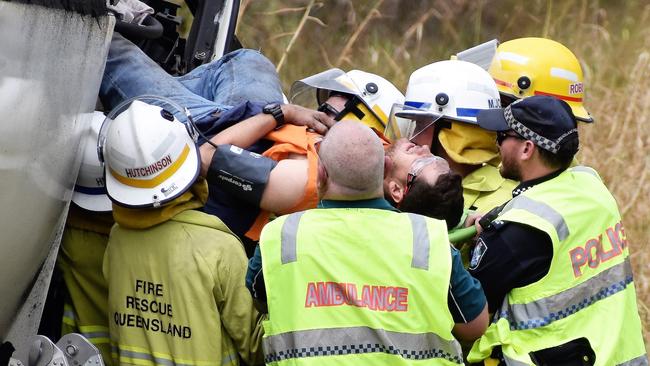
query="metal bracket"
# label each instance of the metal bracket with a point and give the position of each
(41, 352)
(79, 351)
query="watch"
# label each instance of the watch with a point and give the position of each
(275, 109)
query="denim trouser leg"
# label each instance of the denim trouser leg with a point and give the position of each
(239, 76)
(130, 73)
(243, 75)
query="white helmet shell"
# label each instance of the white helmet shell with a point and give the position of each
(149, 156)
(456, 90)
(376, 93)
(90, 190)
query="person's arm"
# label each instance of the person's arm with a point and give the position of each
(286, 186)
(240, 319)
(255, 281)
(258, 181)
(474, 329)
(507, 256)
(273, 186)
(466, 302)
(251, 130)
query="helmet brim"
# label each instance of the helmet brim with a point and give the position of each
(429, 116)
(419, 115)
(418, 120)
(581, 113)
(492, 120)
(314, 90)
(98, 202)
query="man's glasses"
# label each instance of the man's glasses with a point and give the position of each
(416, 168)
(502, 136)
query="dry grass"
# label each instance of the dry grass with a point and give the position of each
(394, 37)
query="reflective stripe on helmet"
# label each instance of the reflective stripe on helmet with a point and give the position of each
(157, 180)
(558, 96)
(422, 105)
(467, 112)
(501, 82)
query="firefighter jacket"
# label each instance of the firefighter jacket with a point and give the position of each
(588, 291)
(80, 261)
(177, 291)
(485, 188)
(357, 286)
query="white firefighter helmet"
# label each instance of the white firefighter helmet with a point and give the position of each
(150, 157)
(371, 96)
(453, 90)
(89, 190)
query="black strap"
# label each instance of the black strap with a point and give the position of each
(577, 352)
(351, 106)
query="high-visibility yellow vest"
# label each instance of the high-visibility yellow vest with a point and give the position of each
(357, 286)
(177, 295)
(588, 291)
(486, 189)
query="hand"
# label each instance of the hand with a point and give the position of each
(300, 116)
(473, 219)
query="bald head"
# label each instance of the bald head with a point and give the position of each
(353, 157)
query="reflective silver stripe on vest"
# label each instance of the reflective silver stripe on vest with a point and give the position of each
(542, 210)
(94, 336)
(549, 309)
(288, 238)
(148, 357)
(421, 244)
(359, 340)
(512, 362)
(637, 361)
(70, 314)
(584, 169)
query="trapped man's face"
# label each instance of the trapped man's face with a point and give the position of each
(425, 137)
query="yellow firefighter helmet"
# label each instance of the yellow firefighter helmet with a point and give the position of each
(538, 66)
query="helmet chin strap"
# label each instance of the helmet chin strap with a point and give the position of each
(351, 106)
(354, 109)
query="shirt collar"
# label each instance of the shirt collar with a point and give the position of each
(378, 203)
(524, 186)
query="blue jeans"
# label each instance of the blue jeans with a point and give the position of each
(239, 76)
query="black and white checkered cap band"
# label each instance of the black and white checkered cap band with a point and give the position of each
(527, 133)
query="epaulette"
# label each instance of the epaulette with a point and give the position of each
(496, 225)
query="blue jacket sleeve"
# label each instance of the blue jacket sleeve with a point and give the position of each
(466, 299)
(255, 280)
